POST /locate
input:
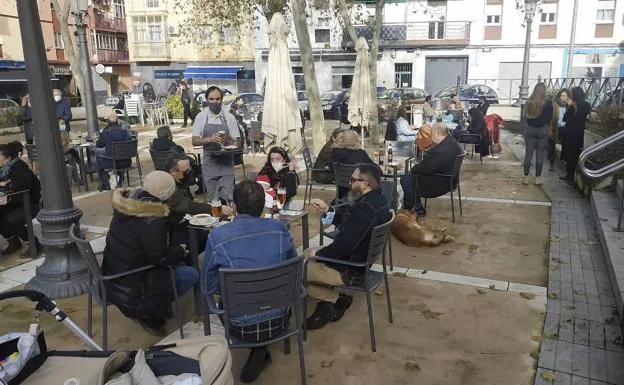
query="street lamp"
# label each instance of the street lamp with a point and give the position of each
(528, 8)
(64, 272)
(81, 12)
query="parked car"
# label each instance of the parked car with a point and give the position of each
(10, 113)
(389, 100)
(333, 103)
(469, 93)
(200, 97)
(253, 102)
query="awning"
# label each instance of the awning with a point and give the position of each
(211, 72)
(12, 64)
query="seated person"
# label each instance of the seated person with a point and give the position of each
(114, 132)
(404, 131)
(323, 161)
(164, 142)
(110, 115)
(391, 131)
(138, 236)
(483, 105)
(477, 126)
(440, 159)
(249, 242)
(355, 222)
(15, 175)
(279, 171)
(347, 150)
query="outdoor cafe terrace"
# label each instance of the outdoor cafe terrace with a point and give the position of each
(506, 302)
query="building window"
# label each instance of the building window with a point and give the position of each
(227, 35)
(151, 3)
(436, 30)
(605, 15)
(322, 22)
(403, 74)
(58, 41)
(322, 35)
(106, 41)
(149, 29)
(492, 20)
(119, 11)
(548, 18)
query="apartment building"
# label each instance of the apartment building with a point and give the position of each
(161, 53)
(429, 43)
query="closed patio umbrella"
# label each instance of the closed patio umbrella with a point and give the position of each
(281, 119)
(360, 102)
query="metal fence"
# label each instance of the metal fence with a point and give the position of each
(598, 91)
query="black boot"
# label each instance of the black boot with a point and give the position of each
(14, 245)
(258, 359)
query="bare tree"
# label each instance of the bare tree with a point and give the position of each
(62, 14)
(344, 10)
(217, 14)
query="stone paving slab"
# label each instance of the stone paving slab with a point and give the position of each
(582, 339)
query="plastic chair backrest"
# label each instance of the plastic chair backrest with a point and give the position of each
(387, 189)
(342, 174)
(252, 291)
(132, 106)
(123, 150)
(159, 158)
(378, 239)
(85, 250)
(459, 159)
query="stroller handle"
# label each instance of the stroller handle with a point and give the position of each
(43, 302)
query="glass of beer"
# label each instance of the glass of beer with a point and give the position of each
(222, 136)
(216, 208)
(281, 195)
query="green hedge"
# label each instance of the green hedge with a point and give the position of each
(175, 110)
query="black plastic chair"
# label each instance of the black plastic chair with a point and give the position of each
(372, 279)
(120, 151)
(342, 177)
(309, 164)
(454, 176)
(388, 187)
(159, 158)
(473, 140)
(96, 276)
(253, 291)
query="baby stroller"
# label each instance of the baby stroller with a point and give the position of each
(25, 358)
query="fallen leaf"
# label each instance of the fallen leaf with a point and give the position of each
(551, 336)
(525, 253)
(589, 242)
(473, 248)
(379, 292)
(399, 274)
(536, 338)
(549, 376)
(535, 353)
(410, 366)
(424, 272)
(579, 292)
(527, 295)
(556, 237)
(448, 252)
(552, 295)
(567, 320)
(413, 255)
(492, 287)
(426, 312)
(327, 364)
(481, 291)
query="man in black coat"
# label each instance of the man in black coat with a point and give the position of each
(324, 161)
(138, 237)
(355, 222)
(440, 159)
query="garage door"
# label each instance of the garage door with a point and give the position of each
(441, 72)
(510, 74)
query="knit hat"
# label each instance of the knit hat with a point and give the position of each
(159, 184)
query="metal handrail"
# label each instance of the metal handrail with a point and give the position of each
(606, 170)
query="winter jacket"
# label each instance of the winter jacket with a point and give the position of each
(63, 111)
(323, 160)
(138, 237)
(182, 203)
(575, 119)
(440, 159)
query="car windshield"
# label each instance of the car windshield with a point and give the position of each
(387, 94)
(252, 98)
(452, 90)
(330, 95)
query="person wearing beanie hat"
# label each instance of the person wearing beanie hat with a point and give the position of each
(139, 236)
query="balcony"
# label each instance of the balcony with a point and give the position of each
(110, 56)
(151, 51)
(417, 35)
(146, 6)
(103, 22)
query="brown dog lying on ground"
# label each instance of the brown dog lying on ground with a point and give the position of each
(408, 230)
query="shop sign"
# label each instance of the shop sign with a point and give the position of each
(59, 70)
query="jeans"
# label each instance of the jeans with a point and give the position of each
(187, 112)
(185, 278)
(535, 140)
(411, 200)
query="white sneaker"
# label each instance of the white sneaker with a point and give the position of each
(525, 180)
(538, 181)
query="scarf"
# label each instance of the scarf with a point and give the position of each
(4, 170)
(561, 103)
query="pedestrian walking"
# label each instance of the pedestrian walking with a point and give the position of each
(185, 96)
(574, 134)
(538, 114)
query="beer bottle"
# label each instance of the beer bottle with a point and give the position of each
(275, 210)
(389, 153)
(381, 155)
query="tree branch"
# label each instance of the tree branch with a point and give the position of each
(343, 8)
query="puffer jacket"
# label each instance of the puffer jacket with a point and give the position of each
(138, 236)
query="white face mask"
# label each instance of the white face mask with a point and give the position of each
(62, 127)
(57, 98)
(277, 166)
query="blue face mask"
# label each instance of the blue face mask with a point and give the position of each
(215, 107)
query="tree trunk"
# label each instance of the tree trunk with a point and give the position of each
(62, 14)
(343, 9)
(309, 76)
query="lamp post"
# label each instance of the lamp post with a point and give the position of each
(528, 8)
(64, 272)
(81, 12)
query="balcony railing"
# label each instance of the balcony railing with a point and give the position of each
(418, 34)
(151, 51)
(100, 21)
(104, 55)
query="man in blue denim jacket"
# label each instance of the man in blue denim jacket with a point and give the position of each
(248, 242)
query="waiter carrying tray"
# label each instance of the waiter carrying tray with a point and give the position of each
(213, 127)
